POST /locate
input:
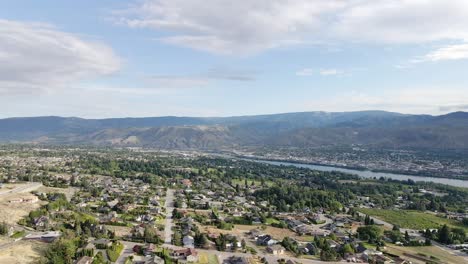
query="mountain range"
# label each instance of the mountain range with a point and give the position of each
(299, 130)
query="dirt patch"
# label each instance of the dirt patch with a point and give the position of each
(120, 231)
(22, 252)
(237, 230)
(12, 212)
(280, 233)
(69, 192)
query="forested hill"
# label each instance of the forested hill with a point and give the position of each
(306, 129)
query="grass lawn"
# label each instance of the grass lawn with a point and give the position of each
(305, 238)
(270, 221)
(205, 258)
(369, 246)
(249, 182)
(18, 234)
(411, 219)
(160, 221)
(441, 255)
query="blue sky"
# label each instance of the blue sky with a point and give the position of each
(108, 58)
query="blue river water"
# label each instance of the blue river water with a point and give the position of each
(371, 174)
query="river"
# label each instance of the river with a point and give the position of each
(370, 174)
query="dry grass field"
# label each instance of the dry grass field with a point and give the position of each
(22, 252)
(69, 192)
(239, 230)
(12, 212)
(120, 231)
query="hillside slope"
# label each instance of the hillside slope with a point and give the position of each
(308, 129)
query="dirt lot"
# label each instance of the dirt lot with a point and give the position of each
(280, 233)
(12, 212)
(120, 231)
(22, 252)
(69, 192)
(239, 230)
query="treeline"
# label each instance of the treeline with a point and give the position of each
(292, 198)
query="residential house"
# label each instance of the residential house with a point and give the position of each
(41, 222)
(266, 240)
(188, 254)
(311, 249)
(275, 249)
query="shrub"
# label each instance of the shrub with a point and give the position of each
(114, 251)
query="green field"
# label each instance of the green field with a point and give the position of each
(426, 252)
(411, 219)
(18, 234)
(205, 258)
(270, 221)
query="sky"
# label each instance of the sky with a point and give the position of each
(135, 58)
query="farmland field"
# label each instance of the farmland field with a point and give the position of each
(427, 252)
(411, 219)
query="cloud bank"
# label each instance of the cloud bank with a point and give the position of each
(37, 57)
(247, 27)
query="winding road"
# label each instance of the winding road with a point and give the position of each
(28, 187)
(169, 205)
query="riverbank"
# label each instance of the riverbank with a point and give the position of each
(367, 174)
(354, 168)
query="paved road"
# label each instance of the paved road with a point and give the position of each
(270, 258)
(169, 205)
(23, 188)
(127, 251)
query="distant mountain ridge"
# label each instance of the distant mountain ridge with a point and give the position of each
(304, 129)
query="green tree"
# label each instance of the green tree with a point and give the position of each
(99, 258)
(465, 221)
(443, 235)
(371, 233)
(347, 249)
(61, 251)
(407, 237)
(3, 228)
(200, 240)
(151, 235)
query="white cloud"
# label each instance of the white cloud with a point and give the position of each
(431, 100)
(230, 27)
(250, 26)
(323, 72)
(35, 57)
(452, 52)
(403, 21)
(305, 72)
(326, 72)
